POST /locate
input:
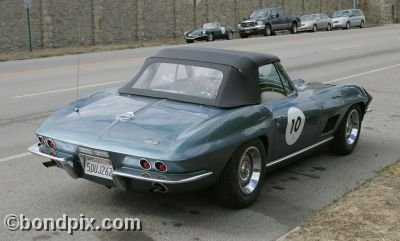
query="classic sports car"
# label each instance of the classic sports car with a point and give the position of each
(209, 32)
(196, 117)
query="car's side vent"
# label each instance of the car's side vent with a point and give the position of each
(330, 124)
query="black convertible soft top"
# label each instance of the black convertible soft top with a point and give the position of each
(240, 84)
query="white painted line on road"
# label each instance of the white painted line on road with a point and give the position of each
(15, 157)
(361, 74)
(67, 89)
(349, 47)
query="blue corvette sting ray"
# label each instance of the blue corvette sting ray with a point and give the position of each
(194, 118)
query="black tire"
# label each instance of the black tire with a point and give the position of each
(243, 35)
(268, 30)
(342, 145)
(210, 37)
(348, 26)
(229, 188)
(189, 41)
(229, 35)
(294, 29)
(329, 28)
(315, 28)
(362, 24)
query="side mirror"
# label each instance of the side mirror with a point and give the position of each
(277, 15)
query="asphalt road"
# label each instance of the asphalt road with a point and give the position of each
(32, 89)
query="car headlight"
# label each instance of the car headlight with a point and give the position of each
(260, 23)
(203, 32)
(239, 25)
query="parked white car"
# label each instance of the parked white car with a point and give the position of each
(349, 18)
(315, 22)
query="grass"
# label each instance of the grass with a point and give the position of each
(370, 212)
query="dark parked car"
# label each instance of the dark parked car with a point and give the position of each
(267, 21)
(209, 32)
(194, 118)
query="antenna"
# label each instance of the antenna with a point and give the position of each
(78, 59)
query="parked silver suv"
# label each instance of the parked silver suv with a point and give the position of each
(349, 18)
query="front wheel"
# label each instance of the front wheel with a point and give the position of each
(293, 30)
(210, 37)
(189, 41)
(242, 178)
(362, 24)
(348, 132)
(315, 28)
(348, 26)
(329, 28)
(268, 30)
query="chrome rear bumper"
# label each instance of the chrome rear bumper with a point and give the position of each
(63, 161)
(119, 175)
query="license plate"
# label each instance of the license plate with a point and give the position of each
(98, 167)
(248, 31)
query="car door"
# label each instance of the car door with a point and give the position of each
(354, 18)
(295, 116)
(282, 19)
(274, 20)
(324, 21)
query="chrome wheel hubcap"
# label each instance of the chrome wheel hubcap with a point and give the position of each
(352, 127)
(249, 170)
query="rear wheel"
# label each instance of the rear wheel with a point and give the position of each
(229, 36)
(348, 133)
(242, 178)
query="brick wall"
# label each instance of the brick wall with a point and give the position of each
(55, 22)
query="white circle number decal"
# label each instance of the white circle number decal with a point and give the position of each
(296, 120)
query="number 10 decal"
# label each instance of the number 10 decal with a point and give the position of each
(294, 128)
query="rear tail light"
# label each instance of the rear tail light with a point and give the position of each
(145, 164)
(160, 166)
(42, 141)
(51, 144)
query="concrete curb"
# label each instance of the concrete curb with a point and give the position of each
(283, 237)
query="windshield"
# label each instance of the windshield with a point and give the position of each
(210, 25)
(181, 79)
(339, 14)
(259, 13)
(308, 17)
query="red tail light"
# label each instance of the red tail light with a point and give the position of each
(145, 164)
(51, 144)
(42, 141)
(160, 166)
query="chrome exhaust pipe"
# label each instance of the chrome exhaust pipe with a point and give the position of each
(159, 187)
(49, 164)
